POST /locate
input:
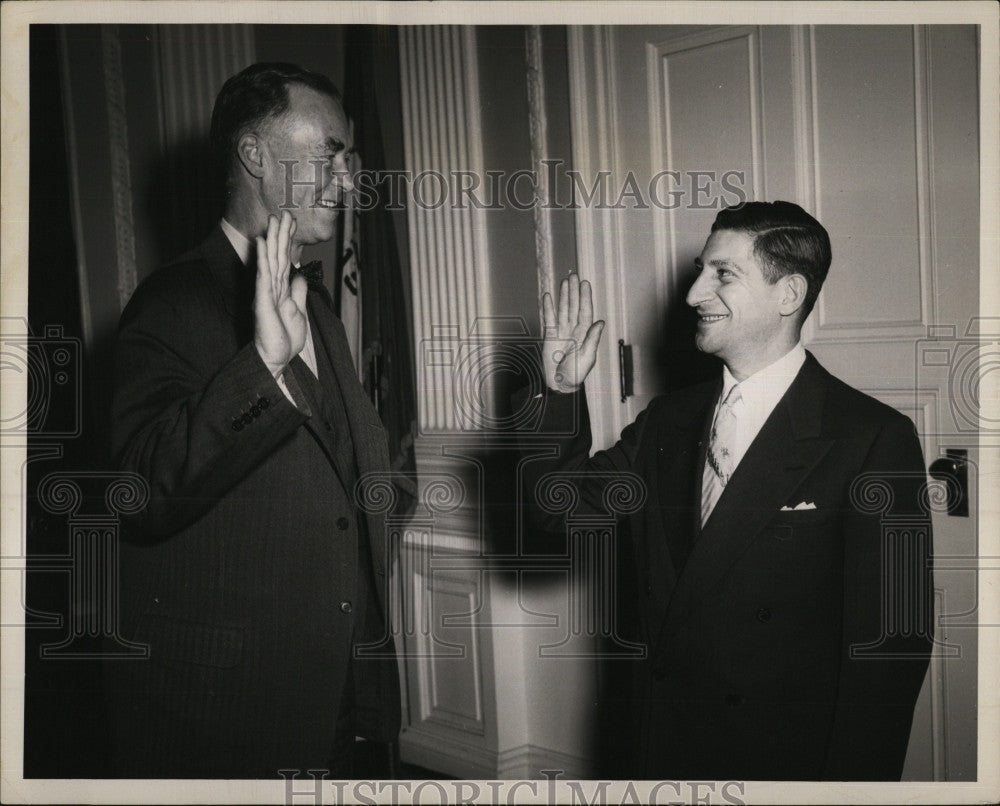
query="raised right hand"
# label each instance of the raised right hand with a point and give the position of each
(571, 337)
(279, 305)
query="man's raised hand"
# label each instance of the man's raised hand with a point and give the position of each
(571, 335)
(279, 305)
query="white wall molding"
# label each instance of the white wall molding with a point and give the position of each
(451, 681)
(939, 700)
(804, 115)
(448, 247)
(435, 751)
(527, 761)
(538, 131)
(819, 329)
(661, 156)
(524, 762)
(452, 459)
(600, 257)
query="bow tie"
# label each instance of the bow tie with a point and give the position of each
(312, 271)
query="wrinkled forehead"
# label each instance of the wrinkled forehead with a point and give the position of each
(314, 121)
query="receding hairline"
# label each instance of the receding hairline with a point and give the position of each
(293, 88)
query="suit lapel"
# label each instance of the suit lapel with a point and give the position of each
(681, 445)
(234, 281)
(235, 285)
(315, 390)
(371, 447)
(784, 452)
(330, 333)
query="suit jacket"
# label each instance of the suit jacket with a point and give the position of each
(772, 655)
(251, 572)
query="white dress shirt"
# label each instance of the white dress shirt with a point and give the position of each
(244, 248)
(760, 394)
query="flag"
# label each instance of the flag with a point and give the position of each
(385, 344)
(349, 294)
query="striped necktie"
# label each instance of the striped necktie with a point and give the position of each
(719, 461)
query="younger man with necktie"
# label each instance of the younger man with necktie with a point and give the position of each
(788, 634)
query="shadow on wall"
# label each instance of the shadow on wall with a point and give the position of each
(182, 198)
(678, 362)
(621, 683)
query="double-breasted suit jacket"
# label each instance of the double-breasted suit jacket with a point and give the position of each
(251, 573)
(789, 637)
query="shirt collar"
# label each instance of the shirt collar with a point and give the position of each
(769, 383)
(240, 242)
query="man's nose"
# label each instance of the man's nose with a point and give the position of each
(341, 174)
(344, 179)
(700, 291)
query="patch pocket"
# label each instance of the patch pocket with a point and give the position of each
(180, 641)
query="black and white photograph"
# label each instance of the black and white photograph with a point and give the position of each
(502, 402)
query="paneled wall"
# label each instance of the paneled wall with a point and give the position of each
(493, 704)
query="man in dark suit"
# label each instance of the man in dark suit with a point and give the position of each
(781, 557)
(251, 575)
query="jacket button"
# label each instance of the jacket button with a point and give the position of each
(763, 615)
(734, 699)
(237, 424)
(328, 425)
(345, 607)
(263, 402)
(343, 523)
(255, 411)
(247, 418)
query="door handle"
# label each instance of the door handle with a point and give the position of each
(625, 371)
(954, 467)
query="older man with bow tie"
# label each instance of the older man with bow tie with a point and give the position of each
(252, 575)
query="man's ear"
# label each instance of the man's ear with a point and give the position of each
(793, 296)
(250, 150)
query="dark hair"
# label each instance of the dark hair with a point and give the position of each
(255, 95)
(787, 240)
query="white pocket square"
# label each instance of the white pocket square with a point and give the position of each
(800, 506)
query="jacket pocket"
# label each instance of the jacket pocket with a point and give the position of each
(788, 525)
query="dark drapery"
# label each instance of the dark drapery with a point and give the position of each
(371, 85)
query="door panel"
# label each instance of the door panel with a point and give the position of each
(867, 168)
(703, 113)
